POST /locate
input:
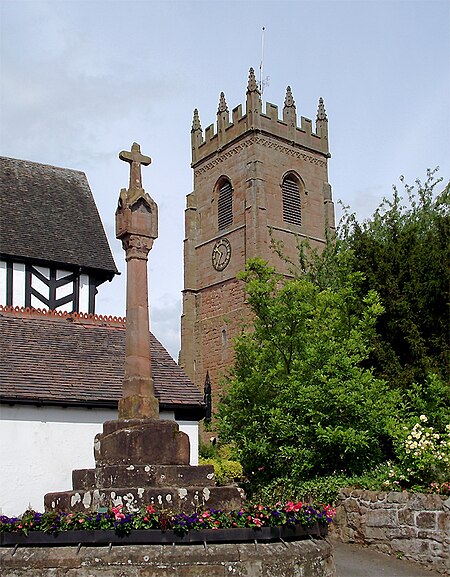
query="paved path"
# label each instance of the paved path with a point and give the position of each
(357, 561)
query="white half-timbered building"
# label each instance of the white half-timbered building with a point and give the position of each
(53, 249)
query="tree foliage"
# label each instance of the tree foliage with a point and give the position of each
(403, 251)
(300, 402)
(350, 350)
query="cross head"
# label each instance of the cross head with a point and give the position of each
(135, 159)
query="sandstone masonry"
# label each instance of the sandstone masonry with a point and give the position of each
(257, 178)
(412, 525)
(312, 558)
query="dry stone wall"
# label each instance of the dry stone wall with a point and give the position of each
(414, 526)
(312, 558)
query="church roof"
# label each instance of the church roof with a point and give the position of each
(49, 215)
(75, 359)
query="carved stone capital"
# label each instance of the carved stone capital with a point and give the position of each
(136, 246)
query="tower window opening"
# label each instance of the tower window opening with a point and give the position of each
(225, 206)
(292, 204)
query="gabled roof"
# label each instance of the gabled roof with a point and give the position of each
(48, 214)
(76, 359)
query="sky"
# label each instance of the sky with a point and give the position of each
(83, 80)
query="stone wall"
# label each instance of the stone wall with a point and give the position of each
(409, 525)
(312, 558)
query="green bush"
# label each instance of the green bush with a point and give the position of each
(300, 402)
(225, 471)
(207, 450)
(319, 490)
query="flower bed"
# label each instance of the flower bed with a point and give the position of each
(290, 521)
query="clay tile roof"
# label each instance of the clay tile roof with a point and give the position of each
(49, 214)
(79, 360)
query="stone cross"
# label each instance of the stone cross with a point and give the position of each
(137, 228)
(135, 159)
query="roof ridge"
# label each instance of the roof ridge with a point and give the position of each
(30, 312)
(63, 168)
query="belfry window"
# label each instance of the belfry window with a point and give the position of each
(292, 203)
(225, 205)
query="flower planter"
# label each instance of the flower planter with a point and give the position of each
(149, 536)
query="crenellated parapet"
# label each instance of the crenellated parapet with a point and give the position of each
(231, 128)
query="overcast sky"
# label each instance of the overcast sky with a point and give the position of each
(82, 80)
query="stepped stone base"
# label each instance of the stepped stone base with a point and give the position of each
(142, 475)
(141, 462)
(182, 498)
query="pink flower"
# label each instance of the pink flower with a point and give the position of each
(117, 512)
(257, 522)
(150, 509)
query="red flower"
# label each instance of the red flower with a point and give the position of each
(290, 506)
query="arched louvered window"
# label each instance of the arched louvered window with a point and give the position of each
(225, 205)
(292, 203)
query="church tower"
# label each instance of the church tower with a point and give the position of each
(256, 177)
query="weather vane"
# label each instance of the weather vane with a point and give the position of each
(263, 82)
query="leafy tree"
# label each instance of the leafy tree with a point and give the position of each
(403, 252)
(349, 352)
(299, 401)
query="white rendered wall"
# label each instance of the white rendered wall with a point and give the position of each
(19, 282)
(40, 287)
(40, 446)
(2, 282)
(64, 291)
(83, 304)
(18, 299)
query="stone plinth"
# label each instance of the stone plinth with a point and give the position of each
(141, 462)
(141, 441)
(312, 558)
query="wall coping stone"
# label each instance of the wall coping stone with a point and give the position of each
(312, 558)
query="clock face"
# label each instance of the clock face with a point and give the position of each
(221, 254)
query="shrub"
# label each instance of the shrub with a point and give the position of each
(225, 471)
(424, 453)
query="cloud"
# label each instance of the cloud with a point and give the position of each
(165, 323)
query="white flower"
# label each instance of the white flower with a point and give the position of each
(423, 418)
